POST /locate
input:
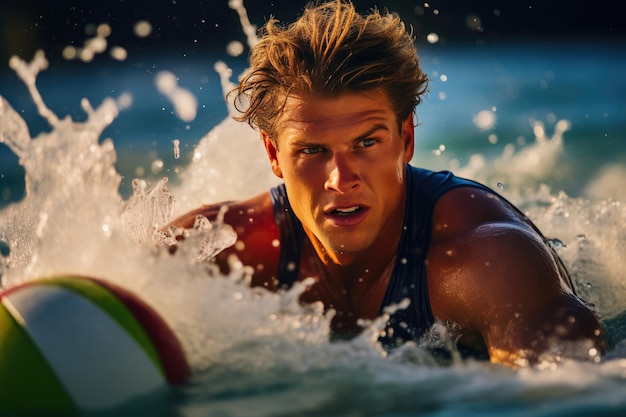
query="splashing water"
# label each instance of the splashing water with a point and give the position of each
(530, 166)
(73, 220)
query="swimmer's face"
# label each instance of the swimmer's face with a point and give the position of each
(343, 162)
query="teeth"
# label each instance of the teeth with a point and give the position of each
(347, 210)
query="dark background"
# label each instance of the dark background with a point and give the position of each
(28, 25)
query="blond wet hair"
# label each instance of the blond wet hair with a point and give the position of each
(329, 50)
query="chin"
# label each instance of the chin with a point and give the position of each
(347, 241)
(351, 246)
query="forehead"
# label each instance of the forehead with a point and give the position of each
(311, 113)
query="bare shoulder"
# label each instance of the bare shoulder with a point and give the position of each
(466, 207)
(478, 241)
(492, 273)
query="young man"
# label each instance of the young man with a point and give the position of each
(333, 96)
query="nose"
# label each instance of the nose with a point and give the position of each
(342, 175)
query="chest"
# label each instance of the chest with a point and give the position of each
(354, 294)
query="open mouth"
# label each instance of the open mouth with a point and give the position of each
(346, 211)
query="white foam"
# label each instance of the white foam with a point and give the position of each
(73, 220)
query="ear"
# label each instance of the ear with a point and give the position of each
(272, 152)
(408, 138)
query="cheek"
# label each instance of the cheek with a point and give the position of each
(300, 200)
(302, 192)
(307, 175)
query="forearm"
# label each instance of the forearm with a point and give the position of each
(569, 332)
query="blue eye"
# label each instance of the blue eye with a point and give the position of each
(368, 142)
(311, 151)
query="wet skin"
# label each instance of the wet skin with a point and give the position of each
(342, 160)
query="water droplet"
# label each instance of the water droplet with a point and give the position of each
(234, 48)
(5, 250)
(142, 29)
(556, 243)
(432, 38)
(156, 166)
(176, 144)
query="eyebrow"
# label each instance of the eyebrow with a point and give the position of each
(374, 129)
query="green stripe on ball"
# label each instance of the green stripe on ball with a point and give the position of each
(25, 373)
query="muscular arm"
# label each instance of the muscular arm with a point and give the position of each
(494, 276)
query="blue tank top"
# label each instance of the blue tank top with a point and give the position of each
(408, 279)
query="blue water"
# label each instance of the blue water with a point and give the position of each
(584, 84)
(522, 81)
